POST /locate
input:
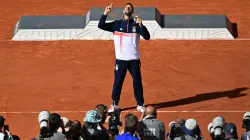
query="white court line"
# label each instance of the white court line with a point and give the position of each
(152, 40)
(163, 111)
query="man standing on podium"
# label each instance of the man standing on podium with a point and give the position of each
(127, 32)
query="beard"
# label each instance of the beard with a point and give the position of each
(129, 13)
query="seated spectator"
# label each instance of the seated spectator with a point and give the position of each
(4, 134)
(231, 132)
(175, 129)
(93, 128)
(150, 127)
(131, 128)
(191, 130)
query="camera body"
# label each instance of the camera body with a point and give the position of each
(114, 122)
(216, 127)
(246, 121)
(175, 130)
(6, 128)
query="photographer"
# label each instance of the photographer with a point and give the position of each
(4, 132)
(43, 120)
(114, 122)
(216, 128)
(246, 125)
(175, 129)
(49, 124)
(192, 130)
(150, 127)
(111, 118)
(93, 128)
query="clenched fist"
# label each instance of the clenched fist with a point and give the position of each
(108, 9)
(138, 20)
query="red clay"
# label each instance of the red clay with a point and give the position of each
(76, 75)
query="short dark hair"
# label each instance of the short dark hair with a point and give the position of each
(54, 121)
(130, 5)
(75, 125)
(102, 111)
(131, 122)
(2, 120)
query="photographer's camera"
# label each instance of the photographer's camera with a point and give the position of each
(216, 127)
(246, 121)
(114, 122)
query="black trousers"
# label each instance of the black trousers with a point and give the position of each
(121, 67)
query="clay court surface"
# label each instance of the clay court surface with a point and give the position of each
(193, 76)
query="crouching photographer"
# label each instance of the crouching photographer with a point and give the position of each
(216, 128)
(246, 125)
(111, 118)
(93, 127)
(49, 124)
(191, 130)
(175, 129)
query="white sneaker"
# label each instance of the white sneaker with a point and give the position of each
(140, 108)
(113, 108)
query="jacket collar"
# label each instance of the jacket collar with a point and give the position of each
(149, 117)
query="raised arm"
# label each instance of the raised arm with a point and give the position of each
(102, 22)
(143, 31)
(106, 26)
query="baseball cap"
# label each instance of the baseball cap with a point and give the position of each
(230, 131)
(190, 127)
(2, 119)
